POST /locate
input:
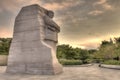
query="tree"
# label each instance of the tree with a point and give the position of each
(84, 55)
(106, 50)
(117, 50)
(104, 43)
(67, 52)
(64, 51)
(4, 45)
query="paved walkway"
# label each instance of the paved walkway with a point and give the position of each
(70, 73)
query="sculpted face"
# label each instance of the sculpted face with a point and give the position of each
(50, 14)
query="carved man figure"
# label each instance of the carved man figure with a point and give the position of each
(33, 48)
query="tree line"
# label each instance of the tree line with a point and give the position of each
(108, 50)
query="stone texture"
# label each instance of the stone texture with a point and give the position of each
(33, 48)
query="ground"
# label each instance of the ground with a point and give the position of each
(70, 73)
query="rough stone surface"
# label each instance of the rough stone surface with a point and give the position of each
(69, 73)
(33, 48)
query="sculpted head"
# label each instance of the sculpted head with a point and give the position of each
(50, 14)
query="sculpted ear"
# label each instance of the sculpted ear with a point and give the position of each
(50, 14)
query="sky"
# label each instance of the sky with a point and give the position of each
(83, 23)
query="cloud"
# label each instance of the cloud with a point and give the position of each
(107, 7)
(83, 23)
(90, 43)
(54, 6)
(100, 2)
(93, 43)
(13, 5)
(104, 4)
(101, 7)
(95, 12)
(63, 4)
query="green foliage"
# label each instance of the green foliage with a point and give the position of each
(104, 43)
(4, 45)
(66, 52)
(111, 62)
(117, 40)
(84, 55)
(87, 61)
(70, 62)
(92, 51)
(108, 52)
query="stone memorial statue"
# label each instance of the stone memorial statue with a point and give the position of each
(33, 47)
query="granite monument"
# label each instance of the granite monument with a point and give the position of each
(33, 47)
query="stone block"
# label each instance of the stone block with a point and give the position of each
(33, 48)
